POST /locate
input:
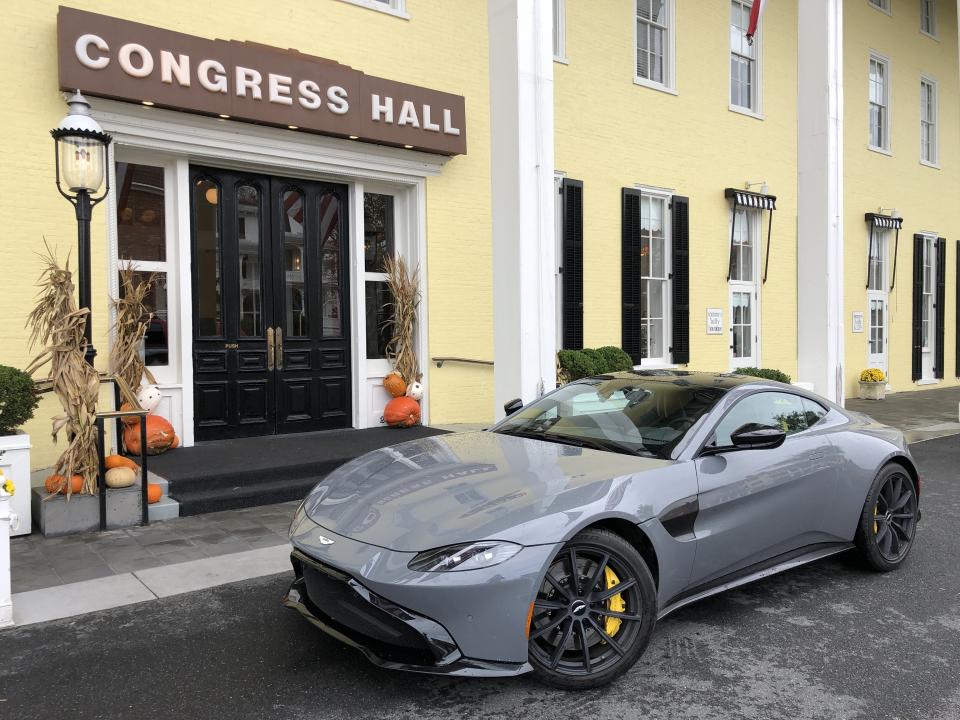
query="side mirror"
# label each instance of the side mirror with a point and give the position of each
(755, 437)
(511, 407)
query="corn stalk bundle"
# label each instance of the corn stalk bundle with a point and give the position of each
(57, 325)
(133, 319)
(405, 290)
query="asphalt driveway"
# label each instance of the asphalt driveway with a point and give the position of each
(825, 641)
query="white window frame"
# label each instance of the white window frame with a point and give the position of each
(754, 232)
(881, 294)
(931, 16)
(560, 31)
(881, 5)
(934, 159)
(756, 108)
(665, 196)
(886, 148)
(396, 8)
(669, 84)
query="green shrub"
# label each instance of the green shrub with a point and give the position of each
(18, 399)
(765, 373)
(576, 364)
(614, 359)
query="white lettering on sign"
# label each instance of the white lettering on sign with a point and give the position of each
(448, 127)
(82, 49)
(408, 115)
(279, 89)
(337, 97)
(145, 61)
(216, 83)
(248, 79)
(385, 108)
(171, 67)
(427, 123)
(714, 321)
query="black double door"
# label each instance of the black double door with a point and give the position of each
(271, 332)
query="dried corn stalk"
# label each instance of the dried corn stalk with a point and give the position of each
(133, 319)
(58, 325)
(405, 289)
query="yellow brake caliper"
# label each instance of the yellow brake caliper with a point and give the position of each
(614, 604)
(876, 527)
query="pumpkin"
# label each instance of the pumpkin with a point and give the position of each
(154, 493)
(160, 436)
(115, 461)
(415, 390)
(402, 412)
(149, 397)
(120, 477)
(393, 383)
(130, 419)
(57, 484)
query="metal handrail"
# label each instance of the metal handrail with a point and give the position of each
(441, 360)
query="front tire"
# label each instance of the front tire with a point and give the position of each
(888, 522)
(594, 612)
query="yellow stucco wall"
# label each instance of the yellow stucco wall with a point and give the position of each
(443, 46)
(925, 197)
(611, 133)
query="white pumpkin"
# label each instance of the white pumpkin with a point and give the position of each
(120, 477)
(149, 397)
(415, 391)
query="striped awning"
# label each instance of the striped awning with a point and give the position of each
(749, 199)
(884, 221)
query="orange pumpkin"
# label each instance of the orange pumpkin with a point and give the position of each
(154, 493)
(393, 383)
(115, 461)
(402, 412)
(57, 484)
(160, 436)
(130, 419)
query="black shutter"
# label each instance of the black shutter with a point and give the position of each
(940, 311)
(680, 313)
(917, 364)
(571, 285)
(630, 274)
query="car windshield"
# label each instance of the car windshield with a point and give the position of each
(642, 416)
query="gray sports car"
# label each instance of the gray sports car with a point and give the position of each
(554, 541)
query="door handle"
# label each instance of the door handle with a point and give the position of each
(279, 352)
(269, 348)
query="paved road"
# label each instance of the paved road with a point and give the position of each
(825, 641)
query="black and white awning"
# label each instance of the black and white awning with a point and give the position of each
(749, 199)
(884, 221)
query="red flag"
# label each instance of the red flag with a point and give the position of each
(754, 19)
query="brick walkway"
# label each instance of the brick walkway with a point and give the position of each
(39, 562)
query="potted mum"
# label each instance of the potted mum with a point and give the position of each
(873, 384)
(18, 401)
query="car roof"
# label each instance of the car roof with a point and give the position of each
(725, 381)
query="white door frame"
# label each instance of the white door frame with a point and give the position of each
(881, 238)
(181, 139)
(753, 287)
(929, 295)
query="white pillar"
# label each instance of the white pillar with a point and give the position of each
(6, 520)
(521, 132)
(820, 313)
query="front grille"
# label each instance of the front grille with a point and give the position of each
(333, 597)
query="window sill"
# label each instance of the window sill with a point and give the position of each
(880, 150)
(925, 163)
(561, 60)
(930, 35)
(643, 82)
(745, 111)
(886, 11)
(380, 8)
(928, 381)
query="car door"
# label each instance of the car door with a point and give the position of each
(755, 504)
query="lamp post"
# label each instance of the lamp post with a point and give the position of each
(81, 153)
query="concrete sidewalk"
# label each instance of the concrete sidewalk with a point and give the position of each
(921, 415)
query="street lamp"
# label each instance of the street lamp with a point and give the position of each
(82, 156)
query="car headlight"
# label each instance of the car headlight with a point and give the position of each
(465, 556)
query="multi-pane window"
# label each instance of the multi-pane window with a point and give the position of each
(879, 100)
(653, 277)
(926, 305)
(877, 297)
(559, 30)
(877, 265)
(743, 57)
(928, 121)
(741, 265)
(928, 17)
(378, 246)
(652, 39)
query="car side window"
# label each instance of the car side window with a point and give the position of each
(813, 411)
(772, 409)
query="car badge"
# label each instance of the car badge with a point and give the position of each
(325, 540)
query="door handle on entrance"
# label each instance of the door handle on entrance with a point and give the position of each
(279, 353)
(269, 348)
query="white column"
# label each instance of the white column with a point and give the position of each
(820, 314)
(521, 130)
(6, 520)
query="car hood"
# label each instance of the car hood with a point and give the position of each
(463, 487)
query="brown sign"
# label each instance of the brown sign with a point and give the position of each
(113, 58)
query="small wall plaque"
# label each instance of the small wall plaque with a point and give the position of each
(858, 321)
(714, 321)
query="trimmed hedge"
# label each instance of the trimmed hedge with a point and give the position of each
(577, 364)
(765, 373)
(18, 399)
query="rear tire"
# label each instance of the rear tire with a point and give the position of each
(888, 521)
(582, 635)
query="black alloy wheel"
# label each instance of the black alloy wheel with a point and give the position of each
(593, 614)
(888, 522)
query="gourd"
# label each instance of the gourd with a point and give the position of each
(415, 391)
(115, 461)
(393, 383)
(120, 477)
(154, 493)
(402, 412)
(160, 436)
(57, 484)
